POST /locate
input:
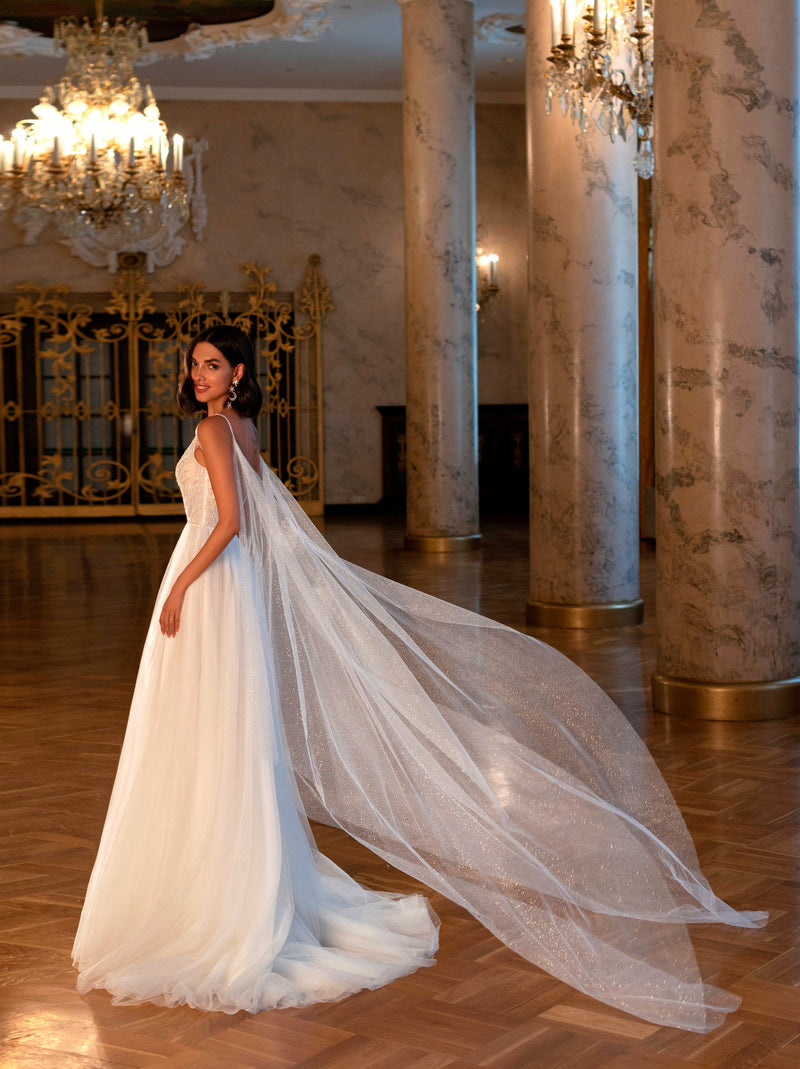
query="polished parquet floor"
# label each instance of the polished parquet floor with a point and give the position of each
(75, 601)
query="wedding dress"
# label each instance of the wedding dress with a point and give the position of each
(473, 757)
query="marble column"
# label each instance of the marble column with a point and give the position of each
(582, 363)
(441, 352)
(726, 231)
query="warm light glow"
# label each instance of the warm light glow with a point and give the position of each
(177, 150)
(95, 153)
(604, 73)
(487, 275)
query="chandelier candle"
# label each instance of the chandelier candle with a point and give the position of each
(94, 158)
(601, 71)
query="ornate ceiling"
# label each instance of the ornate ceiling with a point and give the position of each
(165, 21)
(275, 49)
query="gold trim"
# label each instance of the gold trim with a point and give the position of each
(89, 423)
(769, 700)
(612, 614)
(443, 543)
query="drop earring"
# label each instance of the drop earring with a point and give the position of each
(232, 393)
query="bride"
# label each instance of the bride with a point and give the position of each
(277, 683)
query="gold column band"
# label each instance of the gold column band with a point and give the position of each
(612, 614)
(770, 700)
(443, 543)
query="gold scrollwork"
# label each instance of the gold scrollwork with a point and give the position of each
(315, 296)
(131, 298)
(13, 485)
(155, 477)
(161, 379)
(53, 478)
(88, 389)
(302, 476)
(113, 478)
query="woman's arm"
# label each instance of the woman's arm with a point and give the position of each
(215, 441)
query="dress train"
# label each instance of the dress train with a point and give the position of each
(475, 758)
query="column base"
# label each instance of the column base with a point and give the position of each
(695, 700)
(612, 614)
(442, 543)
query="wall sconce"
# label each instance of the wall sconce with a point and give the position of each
(488, 285)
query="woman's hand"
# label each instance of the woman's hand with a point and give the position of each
(170, 618)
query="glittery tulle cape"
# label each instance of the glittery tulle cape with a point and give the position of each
(488, 766)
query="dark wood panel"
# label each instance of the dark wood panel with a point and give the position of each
(502, 457)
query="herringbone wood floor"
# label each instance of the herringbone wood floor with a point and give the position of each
(75, 605)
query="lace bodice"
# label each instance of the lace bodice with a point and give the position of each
(195, 488)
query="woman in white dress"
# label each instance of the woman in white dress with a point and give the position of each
(278, 681)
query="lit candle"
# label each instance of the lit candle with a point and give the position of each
(568, 24)
(493, 258)
(640, 10)
(93, 150)
(56, 152)
(598, 15)
(555, 19)
(18, 137)
(132, 153)
(177, 148)
(565, 19)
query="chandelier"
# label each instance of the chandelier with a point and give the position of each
(96, 158)
(602, 69)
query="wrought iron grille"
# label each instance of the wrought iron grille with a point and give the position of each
(89, 423)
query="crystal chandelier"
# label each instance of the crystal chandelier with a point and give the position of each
(602, 69)
(96, 159)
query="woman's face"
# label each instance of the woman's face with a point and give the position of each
(211, 375)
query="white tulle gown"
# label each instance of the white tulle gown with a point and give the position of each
(469, 755)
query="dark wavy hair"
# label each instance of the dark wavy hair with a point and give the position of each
(237, 349)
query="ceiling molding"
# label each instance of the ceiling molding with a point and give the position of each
(290, 20)
(494, 29)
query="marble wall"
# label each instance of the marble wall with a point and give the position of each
(287, 179)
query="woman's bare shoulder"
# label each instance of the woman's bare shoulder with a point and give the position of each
(212, 431)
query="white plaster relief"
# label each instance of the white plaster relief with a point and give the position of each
(494, 29)
(291, 20)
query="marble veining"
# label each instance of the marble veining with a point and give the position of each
(583, 370)
(727, 342)
(439, 171)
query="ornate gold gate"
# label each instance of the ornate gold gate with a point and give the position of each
(89, 423)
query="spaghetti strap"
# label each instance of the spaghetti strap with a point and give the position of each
(222, 414)
(238, 445)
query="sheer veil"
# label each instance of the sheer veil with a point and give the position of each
(488, 766)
